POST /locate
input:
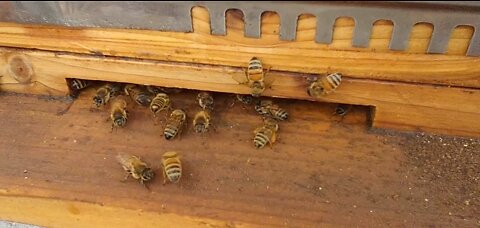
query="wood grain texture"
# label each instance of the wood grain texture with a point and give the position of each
(321, 172)
(302, 55)
(438, 109)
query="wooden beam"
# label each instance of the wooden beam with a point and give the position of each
(302, 55)
(398, 105)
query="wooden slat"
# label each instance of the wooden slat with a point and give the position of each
(302, 55)
(424, 107)
(321, 172)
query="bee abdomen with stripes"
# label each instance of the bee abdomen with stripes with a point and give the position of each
(174, 124)
(324, 85)
(172, 167)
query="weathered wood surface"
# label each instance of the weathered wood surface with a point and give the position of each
(432, 108)
(320, 173)
(302, 55)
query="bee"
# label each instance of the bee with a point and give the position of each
(118, 112)
(160, 102)
(154, 89)
(246, 99)
(269, 109)
(172, 167)
(139, 94)
(201, 122)
(75, 85)
(266, 134)
(205, 100)
(175, 124)
(325, 85)
(255, 77)
(136, 168)
(342, 109)
(105, 93)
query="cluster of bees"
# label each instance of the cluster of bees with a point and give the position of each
(157, 100)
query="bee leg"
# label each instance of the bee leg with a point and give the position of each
(164, 177)
(127, 175)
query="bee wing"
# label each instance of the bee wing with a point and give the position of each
(269, 80)
(123, 158)
(240, 78)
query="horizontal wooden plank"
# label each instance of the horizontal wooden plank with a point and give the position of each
(302, 55)
(323, 171)
(434, 105)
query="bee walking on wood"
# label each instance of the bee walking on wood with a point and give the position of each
(268, 109)
(175, 124)
(139, 94)
(105, 93)
(172, 167)
(244, 99)
(255, 77)
(159, 103)
(201, 122)
(205, 100)
(118, 113)
(136, 168)
(325, 85)
(75, 85)
(266, 134)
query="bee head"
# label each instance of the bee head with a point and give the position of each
(315, 89)
(97, 100)
(154, 108)
(200, 128)
(168, 136)
(120, 120)
(148, 174)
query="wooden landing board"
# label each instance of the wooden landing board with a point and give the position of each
(302, 55)
(321, 172)
(440, 109)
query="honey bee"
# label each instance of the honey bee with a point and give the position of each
(201, 122)
(160, 102)
(172, 167)
(136, 168)
(342, 109)
(139, 94)
(325, 85)
(205, 100)
(266, 134)
(105, 93)
(75, 85)
(269, 109)
(255, 77)
(118, 112)
(154, 89)
(175, 124)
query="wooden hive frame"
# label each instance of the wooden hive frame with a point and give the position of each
(409, 90)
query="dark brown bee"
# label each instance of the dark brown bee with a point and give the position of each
(325, 85)
(136, 168)
(172, 167)
(105, 93)
(118, 113)
(139, 94)
(201, 122)
(246, 99)
(175, 124)
(268, 109)
(205, 100)
(342, 109)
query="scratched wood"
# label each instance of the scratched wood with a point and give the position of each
(60, 170)
(301, 55)
(397, 105)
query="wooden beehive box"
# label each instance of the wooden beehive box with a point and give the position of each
(408, 90)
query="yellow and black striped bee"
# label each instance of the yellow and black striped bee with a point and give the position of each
(268, 109)
(136, 168)
(324, 85)
(118, 113)
(201, 122)
(172, 167)
(255, 77)
(175, 124)
(159, 103)
(105, 93)
(139, 94)
(205, 100)
(76, 85)
(266, 134)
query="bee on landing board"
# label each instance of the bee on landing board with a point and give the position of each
(105, 93)
(268, 109)
(118, 112)
(205, 100)
(266, 134)
(324, 85)
(139, 94)
(255, 77)
(172, 167)
(201, 121)
(159, 103)
(136, 168)
(175, 124)
(75, 85)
